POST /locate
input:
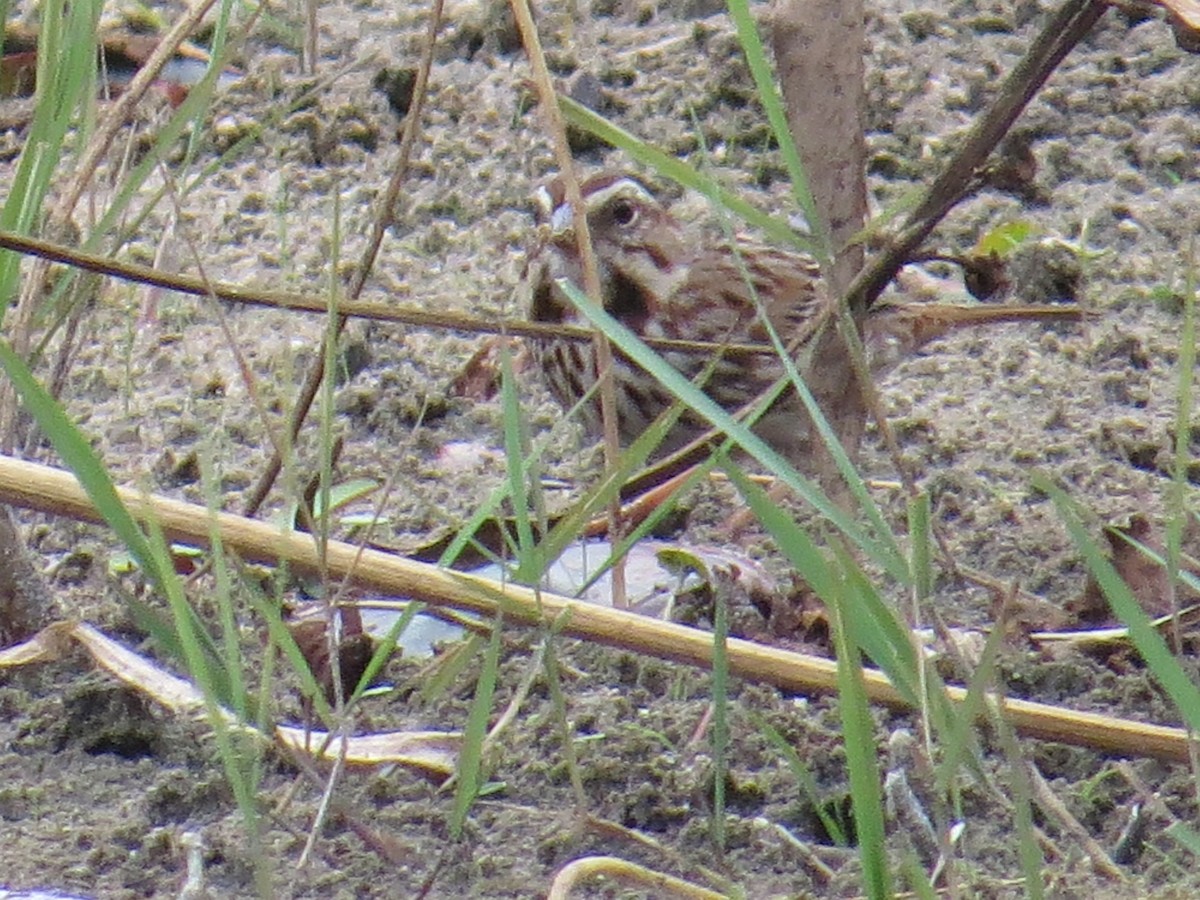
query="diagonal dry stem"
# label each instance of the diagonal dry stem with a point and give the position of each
(54, 491)
(1066, 28)
(383, 219)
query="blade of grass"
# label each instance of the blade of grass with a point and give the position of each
(450, 665)
(240, 754)
(885, 638)
(634, 457)
(859, 740)
(652, 521)
(558, 702)
(470, 759)
(234, 665)
(804, 777)
(384, 649)
(1145, 638)
(676, 170)
(77, 454)
(66, 82)
(795, 543)
(279, 636)
(845, 466)
(1028, 850)
(921, 542)
(959, 739)
(837, 452)
(531, 562)
(217, 60)
(768, 95)
(882, 550)
(720, 722)
(1177, 491)
(916, 878)
(1184, 836)
(490, 508)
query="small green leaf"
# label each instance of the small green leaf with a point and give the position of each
(345, 493)
(1004, 239)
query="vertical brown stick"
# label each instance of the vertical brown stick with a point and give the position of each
(818, 48)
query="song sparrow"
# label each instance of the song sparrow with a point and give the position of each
(662, 283)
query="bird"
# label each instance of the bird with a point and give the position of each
(663, 281)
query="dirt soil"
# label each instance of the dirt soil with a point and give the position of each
(99, 784)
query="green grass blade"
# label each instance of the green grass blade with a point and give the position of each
(552, 545)
(190, 113)
(920, 535)
(1028, 849)
(78, 456)
(1184, 836)
(1145, 637)
(795, 544)
(720, 720)
(841, 458)
(66, 84)
(804, 777)
(768, 95)
(651, 522)
(231, 654)
(886, 638)
(859, 739)
(279, 636)
(883, 552)
(530, 562)
(1178, 490)
(452, 663)
(470, 759)
(916, 878)
(385, 648)
(958, 741)
(679, 171)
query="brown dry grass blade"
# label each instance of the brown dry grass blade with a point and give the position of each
(431, 752)
(50, 490)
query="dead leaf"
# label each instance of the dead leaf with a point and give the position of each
(430, 752)
(480, 377)
(354, 650)
(1146, 578)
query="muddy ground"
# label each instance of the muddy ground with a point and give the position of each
(99, 785)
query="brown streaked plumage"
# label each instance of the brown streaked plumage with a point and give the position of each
(661, 283)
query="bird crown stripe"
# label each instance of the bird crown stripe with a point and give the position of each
(595, 198)
(596, 193)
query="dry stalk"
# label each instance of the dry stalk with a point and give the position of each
(383, 219)
(54, 491)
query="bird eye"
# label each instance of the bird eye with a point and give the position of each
(624, 212)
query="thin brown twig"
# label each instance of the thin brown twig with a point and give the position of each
(350, 309)
(383, 219)
(1053, 806)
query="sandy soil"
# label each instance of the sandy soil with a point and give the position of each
(98, 785)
